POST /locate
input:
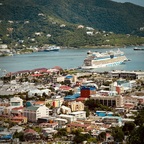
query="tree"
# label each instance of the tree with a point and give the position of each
(19, 135)
(118, 134)
(61, 132)
(79, 137)
(87, 111)
(128, 127)
(102, 136)
(139, 120)
(136, 137)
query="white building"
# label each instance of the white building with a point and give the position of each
(16, 102)
(16, 128)
(70, 118)
(76, 106)
(38, 92)
(80, 115)
(61, 122)
(34, 112)
(3, 46)
(65, 110)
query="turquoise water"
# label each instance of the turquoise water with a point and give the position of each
(67, 58)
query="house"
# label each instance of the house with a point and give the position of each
(90, 28)
(30, 134)
(86, 91)
(20, 73)
(35, 112)
(39, 70)
(19, 119)
(2, 129)
(76, 106)
(61, 122)
(65, 109)
(72, 97)
(62, 25)
(130, 100)
(65, 88)
(53, 125)
(5, 136)
(39, 103)
(70, 78)
(34, 92)
(89, 33)
(80, 27)
(45, 120)
(74, 126)
(3, 46)
(112, 120)
(69, 118)
(55, 101)
(16, 102)
(38, 33)
(48, 35)
(16, 128)
(80, 115)
(17, 111)
(48, 131)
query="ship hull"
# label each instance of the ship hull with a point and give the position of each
(102, 65)
(49, 50)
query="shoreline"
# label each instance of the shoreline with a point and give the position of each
(101, 46)
(81, 47)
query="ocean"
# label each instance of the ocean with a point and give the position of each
(66, 59)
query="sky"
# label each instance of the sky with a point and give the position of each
(137, 2)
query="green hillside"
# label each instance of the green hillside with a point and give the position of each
(101, 14)
(27, 17)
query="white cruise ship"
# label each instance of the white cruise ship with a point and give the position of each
(98, 60)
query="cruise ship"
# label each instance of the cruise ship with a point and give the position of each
(98, 60)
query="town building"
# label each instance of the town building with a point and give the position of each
(55, 101)
(114, 101)
(74, 126)
(76, 106)
(34, 112)
(80, 115)
(69, 118)
(16, 102)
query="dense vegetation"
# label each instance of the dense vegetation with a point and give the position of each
(102, 14)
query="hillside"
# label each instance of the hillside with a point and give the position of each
(101, 14)
(57, 22)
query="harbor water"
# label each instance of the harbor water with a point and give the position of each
(68, 58)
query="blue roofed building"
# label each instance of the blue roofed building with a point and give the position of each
(5, 136)
(72, 97)
(115, 120)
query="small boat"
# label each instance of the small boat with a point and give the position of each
(52, 48)
(136, 48)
